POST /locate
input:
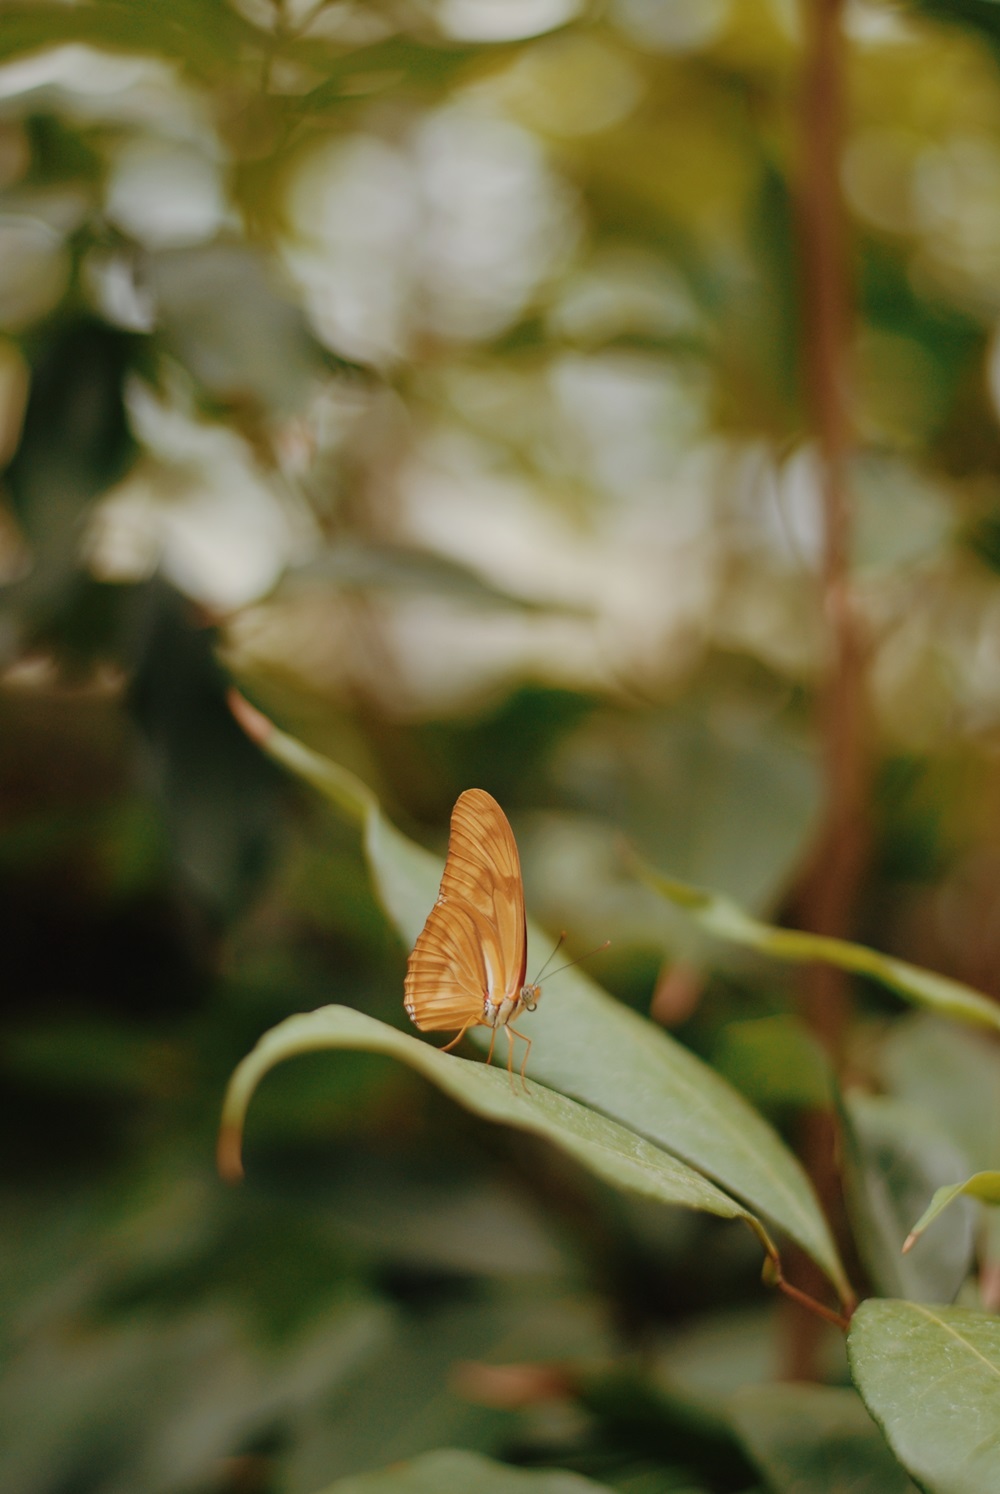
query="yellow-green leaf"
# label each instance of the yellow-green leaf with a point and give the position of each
(726, 920)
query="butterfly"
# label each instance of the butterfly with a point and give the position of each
(468, 965)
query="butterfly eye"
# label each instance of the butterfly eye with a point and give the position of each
(530, 996)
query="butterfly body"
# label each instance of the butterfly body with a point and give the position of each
(468, 965)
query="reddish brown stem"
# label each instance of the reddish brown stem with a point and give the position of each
(829, 895)
(828, 890)
(818, 1309)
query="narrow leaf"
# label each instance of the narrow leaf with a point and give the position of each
(726, 920)
(930, 1376)
(982, 1185)
(587, 1045)
(608, 1150)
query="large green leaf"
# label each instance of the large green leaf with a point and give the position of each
(727, 920)
(931, 1378)
(454, 1472)
(607, 1149)
(812, 1439)
(587, 1045)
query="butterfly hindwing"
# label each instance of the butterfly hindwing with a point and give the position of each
(473, 944)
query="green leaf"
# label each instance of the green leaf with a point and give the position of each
(982, 1185)
(587, 1045)
(425, 1370)
(894, 1156)
(811, 1439)
(931, 1378)
(609, 1150)
(454, 1472)
(775, 1061)
(951, 1074)
(726, 920)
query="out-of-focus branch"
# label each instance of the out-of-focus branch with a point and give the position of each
(829, 890)
(829, 887)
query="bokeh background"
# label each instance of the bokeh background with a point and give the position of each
(433, 370)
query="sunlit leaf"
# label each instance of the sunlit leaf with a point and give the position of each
(587, 1045)
(931, 1378)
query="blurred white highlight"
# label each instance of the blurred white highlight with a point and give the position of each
(166, 195)
(449, 232)
(199, 509)
(503, 20)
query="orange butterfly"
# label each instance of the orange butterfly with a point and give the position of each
(468, 965)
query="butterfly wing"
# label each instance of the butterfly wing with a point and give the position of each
(474, 943)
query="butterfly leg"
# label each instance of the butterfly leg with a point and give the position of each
(493, 1038)
(456, 1040)
(512, 1033)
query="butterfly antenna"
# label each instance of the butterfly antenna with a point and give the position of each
(572, 962)
(556, 948)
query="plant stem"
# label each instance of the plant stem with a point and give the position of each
(828, 891)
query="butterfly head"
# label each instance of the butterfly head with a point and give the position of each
(530, 997)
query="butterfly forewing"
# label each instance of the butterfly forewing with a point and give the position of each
(473, 944)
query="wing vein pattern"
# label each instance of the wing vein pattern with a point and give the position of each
(474, 943)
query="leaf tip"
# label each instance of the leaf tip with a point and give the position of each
(256, 725)
(228, 1153)
(909, 1242)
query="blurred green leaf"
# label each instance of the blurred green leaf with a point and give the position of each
(587, 1045)
(729, 793)
(981, 15)
(419, 1375)
(76, 392)
(774, 1061)
(984, 1186)
(203, 33)
(454, 1472)
(222, 314)
(706, 1360)
(220, 802)
(930, 1376)
(353, 565)
(388, 64)
(810, 1439)
(726, 920)
(894, 1154)
(952, 1075)
(99, 1056)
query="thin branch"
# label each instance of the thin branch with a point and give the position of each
(828, 890)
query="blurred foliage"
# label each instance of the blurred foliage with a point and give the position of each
(431, 369)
